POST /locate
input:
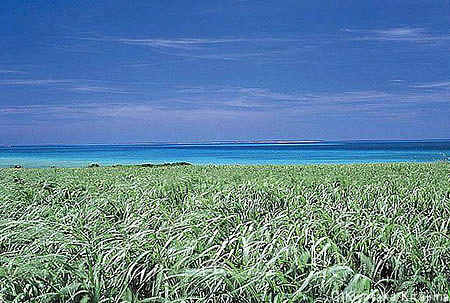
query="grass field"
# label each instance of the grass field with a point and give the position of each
(226, 233)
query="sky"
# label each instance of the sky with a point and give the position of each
(75, 72)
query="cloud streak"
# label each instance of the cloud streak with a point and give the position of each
(32, 82)
(410, 101)
(273, 49)
(99, 89)
(10, 71)
(441, 84)
(227, 49)
(73, 85)
(184, 43)
(400, 34)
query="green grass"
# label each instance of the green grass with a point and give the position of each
(225, 233)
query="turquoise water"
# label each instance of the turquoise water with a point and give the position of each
(311, 153)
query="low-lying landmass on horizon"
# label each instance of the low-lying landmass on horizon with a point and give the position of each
(262, 141)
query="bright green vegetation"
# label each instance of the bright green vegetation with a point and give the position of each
(225, 233)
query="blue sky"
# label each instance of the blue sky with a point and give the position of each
(133, 71)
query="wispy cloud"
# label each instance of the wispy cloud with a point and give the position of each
(375, 102)
(406, 97)
(10, 71)
(441, 84)
(184, 43)
(165, 62)
(24, 109)
(399, 34)
(269, 49)
(74, 85)
(221, 49)
(228, 49)
(407, 102)
(98, 89)
(32, 82)
(44, 112)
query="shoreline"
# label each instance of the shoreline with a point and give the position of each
(261, 153)
(181, 164)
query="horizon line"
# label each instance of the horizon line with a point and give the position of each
(231, 141)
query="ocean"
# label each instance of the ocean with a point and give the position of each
(243, 153)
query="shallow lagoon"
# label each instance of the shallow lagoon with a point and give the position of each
(299, 153)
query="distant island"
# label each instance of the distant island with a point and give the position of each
(264, 141)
